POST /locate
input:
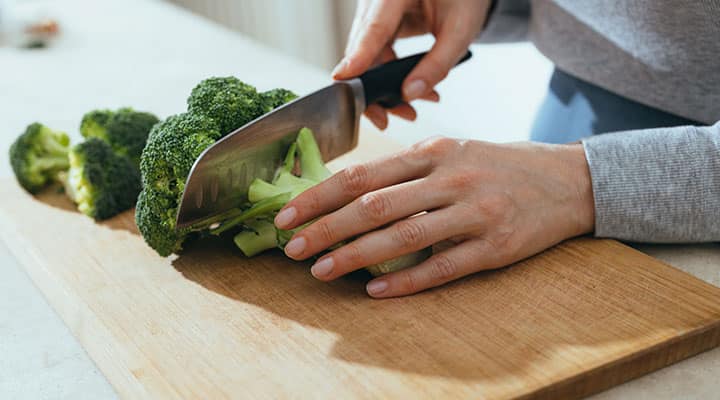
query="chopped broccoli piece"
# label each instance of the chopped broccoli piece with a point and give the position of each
(101, 182)
(276, 97)
(260, 236)
(229, 101)
(38, 155)
(402, 262)
(126, 130)
(311, 162)
(171, 151)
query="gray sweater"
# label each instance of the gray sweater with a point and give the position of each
(655, 185)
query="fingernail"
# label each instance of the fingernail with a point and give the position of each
(376, 287)
(415, 89)
(322, 268)
(338, 68)
(285, 217)
(295, 247)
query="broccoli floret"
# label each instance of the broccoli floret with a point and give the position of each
(38, 155)
(229, 101)
(276, 97)
(101, 182)
(126, 130)
(170, 153)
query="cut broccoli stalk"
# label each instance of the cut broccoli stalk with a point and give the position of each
(402, 262)
(262, 208)
(311, 162)
(261, 236)
(268, 198)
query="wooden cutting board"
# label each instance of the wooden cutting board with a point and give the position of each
(574, 320)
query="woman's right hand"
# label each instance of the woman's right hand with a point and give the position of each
(454, 23)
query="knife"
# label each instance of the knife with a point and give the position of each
(219, 180)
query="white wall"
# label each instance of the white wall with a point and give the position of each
(492, 97)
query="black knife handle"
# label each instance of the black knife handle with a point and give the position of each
(383, 84)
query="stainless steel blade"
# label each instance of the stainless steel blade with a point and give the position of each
(219, 179)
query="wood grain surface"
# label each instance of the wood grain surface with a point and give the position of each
(208, 323)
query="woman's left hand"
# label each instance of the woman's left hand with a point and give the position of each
(499, 203)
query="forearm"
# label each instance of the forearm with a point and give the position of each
(658, 185)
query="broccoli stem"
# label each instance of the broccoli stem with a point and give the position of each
(259, 209)
(54, 148)
(261, 237)
(55, 162)
(289, 163)
(311, 162)
(261, 190)
(402, 262)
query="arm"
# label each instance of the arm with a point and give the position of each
(508, 21)
(657, 185)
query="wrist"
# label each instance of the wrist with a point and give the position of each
(582, 206)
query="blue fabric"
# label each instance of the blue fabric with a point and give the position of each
(574, 109)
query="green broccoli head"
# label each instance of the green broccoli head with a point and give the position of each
(170, 153)
(101, 182)
(126, 130)
(276, 97)
(38, 155)
(229, 101)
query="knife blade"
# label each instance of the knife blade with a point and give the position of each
(219, 180)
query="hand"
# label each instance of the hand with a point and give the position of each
(454, 23)
(498, 203)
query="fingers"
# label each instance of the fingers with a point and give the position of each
(450, 45)
(378, 29)
(368, 212)
(456, 262)
(377, 115)
(349, 184)
(403, 237)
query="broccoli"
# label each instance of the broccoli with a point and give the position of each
(38, 155)
(126, 130)
(258, 232)
(101, 182)
(276, 97)
(229, 101)
(170, 153)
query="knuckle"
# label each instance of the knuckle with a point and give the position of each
(461, 181)
(409, 281)
(355, 179)
(312, 200)
(353, 256)
(435, 147)
(442, 268)
(438, 68)
(375, 206)
(325, 232)
(410, 234)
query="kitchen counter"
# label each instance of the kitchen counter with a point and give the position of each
(149, 54)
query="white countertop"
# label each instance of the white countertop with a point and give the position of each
(149, 54)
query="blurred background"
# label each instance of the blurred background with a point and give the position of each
(494, 97)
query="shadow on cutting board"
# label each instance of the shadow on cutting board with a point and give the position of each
(54, 197)
(493, 326)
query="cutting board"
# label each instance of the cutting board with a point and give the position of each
(579, 318)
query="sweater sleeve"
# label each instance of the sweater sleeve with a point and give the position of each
(657, 185)
(508, 21)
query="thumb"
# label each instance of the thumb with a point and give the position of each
(450, 46)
